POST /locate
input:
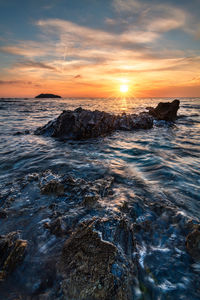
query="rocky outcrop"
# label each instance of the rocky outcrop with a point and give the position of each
(48, 96)
(88, 266)
(12, 251)
(83, 124)
(165, 110)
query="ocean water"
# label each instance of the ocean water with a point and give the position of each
(159, 165)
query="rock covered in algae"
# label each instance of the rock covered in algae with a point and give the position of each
(12, 251)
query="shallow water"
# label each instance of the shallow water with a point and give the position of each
(156, 165)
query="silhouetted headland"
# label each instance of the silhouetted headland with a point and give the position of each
(83, 124)
(48, 96)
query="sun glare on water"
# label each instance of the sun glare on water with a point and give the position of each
(124, 88)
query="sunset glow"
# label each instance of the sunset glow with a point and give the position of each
(124, 88)
(155, 45)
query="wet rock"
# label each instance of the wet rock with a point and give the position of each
(32, 177)
(57, 226)
(79, 190)
(165, 110)
(193, 244)
(20, 132)
(82, 124)
(17, 133)
(12, 251)
(90, 199)
(53, 187)
(88, 266)
(3, 213)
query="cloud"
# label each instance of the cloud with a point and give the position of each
(156, 17)
(110, 21)
(34, 65)
(74, 35)
(15, 82)
(127, 5)
(78, 76)
(28, 49)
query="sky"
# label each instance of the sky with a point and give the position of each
(89, 48)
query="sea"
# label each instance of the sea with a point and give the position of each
(159, 165)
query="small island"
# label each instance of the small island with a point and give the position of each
(48, 96)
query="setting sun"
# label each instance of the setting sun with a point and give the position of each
(124, 88)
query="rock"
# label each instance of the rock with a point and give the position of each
(90, 199)
(20, 132)
(3, 213)
(48, 96)
(193, 244)
(53, 187)
(87, 265)
(165, 110)
(57, 227)
(12, 251)
(85, 192)
(82, 124)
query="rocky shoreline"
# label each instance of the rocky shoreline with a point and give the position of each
(100, 254)
(79, 238)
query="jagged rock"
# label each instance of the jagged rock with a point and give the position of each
(165, 110)
(193, 244)
(53, 187)
(89, 268)
(57, 226)
(47, 96)
(12, 251)
(83, 124)
(90, 199)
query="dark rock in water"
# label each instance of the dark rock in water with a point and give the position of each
(53, 187)
(12, 251)
(87, 191)
(83, 124)
(57, 227)
(20, 132)
(165, 111)
(87, 267)
(193, 244)
(48, 96)
(3, 213)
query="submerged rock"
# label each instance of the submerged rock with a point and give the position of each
(83, 124)
(165, 110)
(12, 251)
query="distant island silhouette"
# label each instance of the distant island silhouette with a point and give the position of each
(48, 96)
